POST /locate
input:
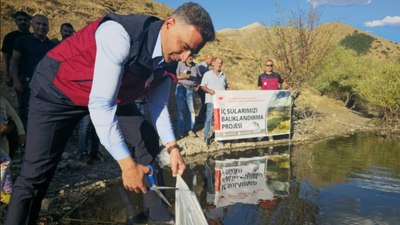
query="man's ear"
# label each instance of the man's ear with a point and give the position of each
(170, 21)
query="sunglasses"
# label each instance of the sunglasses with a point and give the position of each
(269, 65)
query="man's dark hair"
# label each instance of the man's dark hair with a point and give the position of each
(21, 13)
(193, 14)
(67, 25)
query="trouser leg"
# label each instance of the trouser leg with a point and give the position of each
(23, 104)
(209, 120)
(140, 135)
(49, 128)
(180, 95)
(83, 134)
(202, 113)
(190, 105)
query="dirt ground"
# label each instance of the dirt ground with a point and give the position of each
(315, 117)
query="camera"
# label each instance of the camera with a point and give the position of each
(188, 71)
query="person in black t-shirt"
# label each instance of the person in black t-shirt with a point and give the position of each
(27, 52)
(23, 22)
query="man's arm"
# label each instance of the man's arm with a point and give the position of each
(14, 62)
(6, 65)
(113, 44)
(204, 87)
(180, 73)
(285, 85)
(259, 82)
(158, 107)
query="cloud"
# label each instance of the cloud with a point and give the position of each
(316, 3)
(387, 21)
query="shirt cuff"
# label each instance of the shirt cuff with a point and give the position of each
(120, 151)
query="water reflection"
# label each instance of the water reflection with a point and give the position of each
(349, 180)
(248, 186)
(355, 180)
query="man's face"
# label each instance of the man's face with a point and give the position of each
(40, 26)
(189, 60)
(66, 32)
(178, 40)
(269, 66)
(217, 64)
(23, 23)
(208, 59)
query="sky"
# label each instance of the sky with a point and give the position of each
(378, 17)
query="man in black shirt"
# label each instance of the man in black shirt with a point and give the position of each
(23, 22)
(27, 52)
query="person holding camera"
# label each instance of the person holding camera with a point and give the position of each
(188, 76)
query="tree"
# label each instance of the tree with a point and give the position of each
(298, 46)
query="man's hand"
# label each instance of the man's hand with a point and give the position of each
(21, 140)
(177, 164)
(3, 130)
(133, 174)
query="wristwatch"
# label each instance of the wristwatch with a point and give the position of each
(170, 148)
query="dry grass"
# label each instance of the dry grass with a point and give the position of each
(78, 13)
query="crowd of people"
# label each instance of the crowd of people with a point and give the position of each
(111, 82)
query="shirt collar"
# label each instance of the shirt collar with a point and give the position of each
(158, 49)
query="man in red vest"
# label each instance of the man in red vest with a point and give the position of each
(101, 70)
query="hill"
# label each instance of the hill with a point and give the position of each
(252, 35)
(78, 13)
(241, 48)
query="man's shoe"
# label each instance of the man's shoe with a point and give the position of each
(84, 157)
(94, 157)
(192, 134)
(141, 218)
(154, 222)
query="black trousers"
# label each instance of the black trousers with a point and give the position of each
(51, 120)
(202, 113)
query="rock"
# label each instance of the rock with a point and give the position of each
(62, 165)
(45, 204)
(65, 156)
(101, 184)
(61, 193)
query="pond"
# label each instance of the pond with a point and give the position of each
(346, 180)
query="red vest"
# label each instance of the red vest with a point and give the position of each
(76, 56)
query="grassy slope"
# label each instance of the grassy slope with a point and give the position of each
(79, 13)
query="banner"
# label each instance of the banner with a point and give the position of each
(241, 180)
(249, 114)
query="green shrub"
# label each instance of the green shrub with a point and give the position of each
(340, 73)
(359, 42)
(380, 88)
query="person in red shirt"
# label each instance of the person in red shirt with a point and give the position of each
(270, 80)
